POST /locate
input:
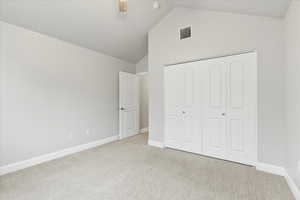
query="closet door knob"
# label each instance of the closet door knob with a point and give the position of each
(183, 112)
(223, 114)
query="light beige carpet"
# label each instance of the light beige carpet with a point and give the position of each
(131, 170)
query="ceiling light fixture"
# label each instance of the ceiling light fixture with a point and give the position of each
(123, 6)
(156, 4)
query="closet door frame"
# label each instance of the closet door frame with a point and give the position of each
(252, 57)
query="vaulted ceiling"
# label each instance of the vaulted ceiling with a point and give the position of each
(269, 8)
(97, 25)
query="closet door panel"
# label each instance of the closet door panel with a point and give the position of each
(179, 107)
(187, 112)
(236, 83)
(236, 110)
(174, 91)
(174, 100)
(239, 129)
(198, 108)
(215, 136)
(174, 127)
(214, 95)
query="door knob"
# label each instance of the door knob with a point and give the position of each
(223, 114)
(183, 112)
(122, 108)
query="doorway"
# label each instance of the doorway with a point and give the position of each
(143, 102)
(133, 104)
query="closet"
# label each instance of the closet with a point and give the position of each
(211, 107)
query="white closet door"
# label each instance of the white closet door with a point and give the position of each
(214, 107)
(211, 107)
(241, 106)
(230, 108)
(178, 108)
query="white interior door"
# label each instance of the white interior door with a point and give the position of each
(128, 104)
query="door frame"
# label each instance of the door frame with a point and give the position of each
(254, 161)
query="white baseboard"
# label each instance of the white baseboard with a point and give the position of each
(144, 130)
(272, 169)
(281, 171)
(294, 188)
(156, 144)
(52, 156)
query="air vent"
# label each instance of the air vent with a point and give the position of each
(185, 33)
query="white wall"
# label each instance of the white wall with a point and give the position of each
(142, 65)
(217, 34)
(292, 103)
(144, 113)
(54, 95)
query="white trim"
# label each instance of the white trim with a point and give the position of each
(52, 156)
(141, 73)
(294, 188)
(281, 171)
(156, 144)
(272, 169)
(213, 57)
(144, 130)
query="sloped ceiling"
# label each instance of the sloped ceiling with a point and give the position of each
(269, 8)
(97, 25)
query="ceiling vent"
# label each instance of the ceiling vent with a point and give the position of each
(185, 33)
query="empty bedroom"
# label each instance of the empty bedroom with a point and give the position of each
(149, 100)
